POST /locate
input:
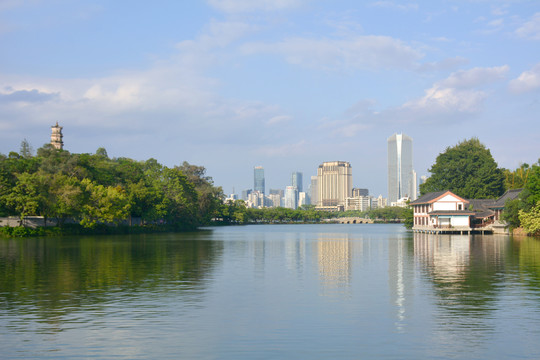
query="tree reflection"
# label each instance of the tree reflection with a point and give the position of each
(54, 276)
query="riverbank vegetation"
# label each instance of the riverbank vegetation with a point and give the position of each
(83, 193)
(235, 212)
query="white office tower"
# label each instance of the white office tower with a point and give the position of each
(401, 182)
(334, 185)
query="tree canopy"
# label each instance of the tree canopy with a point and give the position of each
(468, 170)
(94, 189)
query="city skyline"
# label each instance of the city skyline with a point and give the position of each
(231, 84)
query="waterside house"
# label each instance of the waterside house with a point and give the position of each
(445, 212)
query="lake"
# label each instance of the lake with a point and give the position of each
(271, 292)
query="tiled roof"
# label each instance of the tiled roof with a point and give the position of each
(508, 195)
(424, 199)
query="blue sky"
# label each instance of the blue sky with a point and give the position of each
(283, 84)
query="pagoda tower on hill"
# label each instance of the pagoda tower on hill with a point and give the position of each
(56, 137)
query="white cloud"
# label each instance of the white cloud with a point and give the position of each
(527, 81)
(458, 92)
(280, 119)
(458, 97)
(242, 6)
(395, 6)
(175, 92)
(474, 77)
(531, 28)
(361, 52)
(441, 100)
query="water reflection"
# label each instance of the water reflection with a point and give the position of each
(400, 279)
(334, 252)
(48, 280)
(372, 291)
(468, 278)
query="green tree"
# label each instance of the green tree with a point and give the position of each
(530, 220)
(26, 150)
(517, 179)
(28, 196)
(468, 170)
(209, 196)
(103, 204)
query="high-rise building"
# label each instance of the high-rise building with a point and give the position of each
(296, 180)
(258, 179)
(313, 188)
(303, 199)
(291, 197)
(334, 184)
(401, 182)
(56, 137)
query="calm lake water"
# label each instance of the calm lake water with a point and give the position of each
(271, 292)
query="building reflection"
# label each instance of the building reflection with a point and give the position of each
(400, 279)
(334, 252)
(465, 272)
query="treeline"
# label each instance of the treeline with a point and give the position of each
(235, 212)
(524, 212)
(95, 190)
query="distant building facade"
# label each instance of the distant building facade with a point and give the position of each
(334, 185)
(291, 197)
(359, 192)
(401, 176)
(56, 137)
(313, 190)
(296, 180)
(258, 179)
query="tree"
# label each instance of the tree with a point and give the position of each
(26, 150)
(468, 170)
(209, 196)
(103, 204)
(517, 179)
(531, 220)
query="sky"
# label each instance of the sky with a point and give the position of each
(283, 84)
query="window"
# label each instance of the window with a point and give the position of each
(460, 207)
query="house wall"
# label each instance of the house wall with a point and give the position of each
(448, 203)
(459, 220)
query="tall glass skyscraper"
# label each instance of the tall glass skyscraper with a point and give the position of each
(258, 179)
(296, 180)
(401, 176)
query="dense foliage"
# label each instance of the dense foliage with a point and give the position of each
(525, 211)
(468, 170)
(94, 190)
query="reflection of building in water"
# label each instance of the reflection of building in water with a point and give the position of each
(295, 251)
(446, 256)
(334, 257)
(400, 278)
